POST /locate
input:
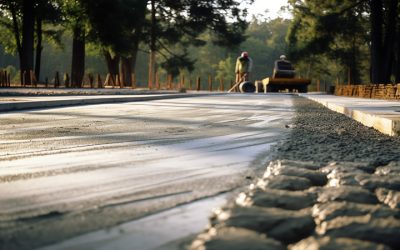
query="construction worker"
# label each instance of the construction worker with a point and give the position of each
(244, 65)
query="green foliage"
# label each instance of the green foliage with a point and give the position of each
(114, 24)
(265, 44)
(199, 38)
(225, 68)
(329, 31)
(181, 24)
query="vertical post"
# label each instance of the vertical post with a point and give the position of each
(33, 78)
(57, 80)
(30, 78)
(119, 82)
(169, 81)
(198, 83)
(66, 80)
(158, 85)
(91, 80)
(133, 80)
(210, 83)
(9, 80)
(24, 83)
(46, 82)
(318, 85)
(113, 80)
(181, 81)
(107, 81)
(99, 82)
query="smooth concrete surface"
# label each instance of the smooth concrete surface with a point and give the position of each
(383, 115)
(34, 101)
(65, 172)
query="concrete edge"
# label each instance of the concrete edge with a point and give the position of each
(18, 106)
(383, 124)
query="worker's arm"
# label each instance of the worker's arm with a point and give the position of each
(237, 67)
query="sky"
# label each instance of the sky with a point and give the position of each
(273, 6)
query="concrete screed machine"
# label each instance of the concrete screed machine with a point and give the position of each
(283, 80)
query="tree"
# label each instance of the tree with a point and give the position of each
(265, 43)
(180, 24)
(20, 17)
(45, 12)
(335, 29)
(21, 13)
(75, 20)
(384, 19)
(340, 30)
(117, 27)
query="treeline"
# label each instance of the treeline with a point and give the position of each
(119, 31)
(330, 41)
(354, 41)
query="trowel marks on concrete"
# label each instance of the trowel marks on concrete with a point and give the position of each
(69, 171)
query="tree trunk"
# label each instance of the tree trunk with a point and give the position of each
(78, 57)
(142, 9)
(376, 40)
(389, 43)
(16, 30)
(126, 70)
(152, 58)
(28, 32)
(397, 66)
(354, 76)
(112, 64)
(39, 47)
(134, 56)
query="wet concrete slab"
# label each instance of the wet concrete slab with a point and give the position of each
(65, 172)
(152, 232)
(23, 99)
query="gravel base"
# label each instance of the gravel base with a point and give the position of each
(322, 135)
(333, 184)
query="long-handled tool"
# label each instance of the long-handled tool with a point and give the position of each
(242, 79)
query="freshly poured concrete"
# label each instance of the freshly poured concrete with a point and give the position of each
(65, 172)
(383, 115)
(31, 101)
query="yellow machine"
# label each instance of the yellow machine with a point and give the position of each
(283, 79)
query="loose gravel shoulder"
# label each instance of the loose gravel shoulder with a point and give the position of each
(322, 135)
(334, 184)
